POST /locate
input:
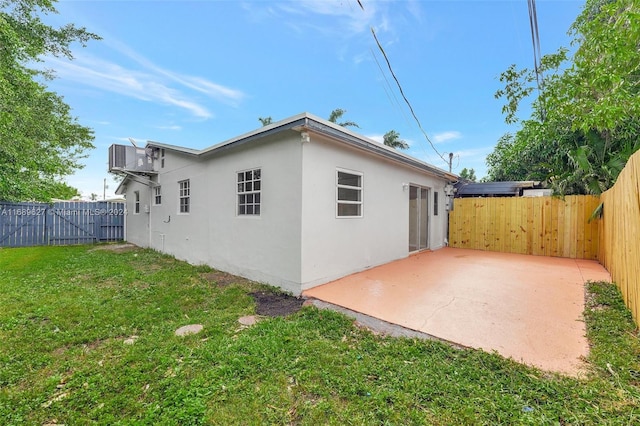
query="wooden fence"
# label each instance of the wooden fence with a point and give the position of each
(620, 234)
(61, 223)
(546, 226)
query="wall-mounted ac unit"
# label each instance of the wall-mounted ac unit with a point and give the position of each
(129, 158)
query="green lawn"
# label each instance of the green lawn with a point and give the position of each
(65, 313)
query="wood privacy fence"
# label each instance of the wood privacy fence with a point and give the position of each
(60, 223)
(620, 234)
(546, 226)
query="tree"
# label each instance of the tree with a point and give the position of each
(265, 120)
(586, 116)
(468, 174)
(392, 139)
(337, 114)
(40, 142)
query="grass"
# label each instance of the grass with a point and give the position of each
(65, 313)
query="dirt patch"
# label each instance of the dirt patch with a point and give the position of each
(118, 248)
(147, 267)
(87, 347)
(274, 305)
(222, 278)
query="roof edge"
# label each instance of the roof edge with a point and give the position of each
(313, 123)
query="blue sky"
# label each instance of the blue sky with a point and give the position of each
(195, 73)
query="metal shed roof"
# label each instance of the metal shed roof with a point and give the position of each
(494, 189)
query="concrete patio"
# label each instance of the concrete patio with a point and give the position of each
(528, 308)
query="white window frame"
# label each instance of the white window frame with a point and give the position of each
(136, 202)
(436, 203)
(157, 195)
(360, 188)
(184, 193)
(162, 158)
(255, 194)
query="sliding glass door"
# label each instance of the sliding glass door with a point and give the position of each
(418, 218)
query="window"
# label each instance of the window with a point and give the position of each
(162, 157)
(184, 195)
(249, 186)
(435, 203)
(157, 195)
(136, 202)
(349, 194)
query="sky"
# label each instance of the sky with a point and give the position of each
(196, 73)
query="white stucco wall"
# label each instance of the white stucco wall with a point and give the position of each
(137, 224)
(264, 248)
(297, 241)
(333, 247)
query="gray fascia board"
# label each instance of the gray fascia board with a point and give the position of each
(257, 134)
(277, 127)
(306, 121)
(177, 148)
(372, 146)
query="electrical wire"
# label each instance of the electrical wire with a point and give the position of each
(535, 40)
(386, 58)
(388, 90)
(393, 101)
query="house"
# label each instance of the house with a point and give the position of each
(465, 189)
(294, 204)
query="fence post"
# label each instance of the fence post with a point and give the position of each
(47, 224)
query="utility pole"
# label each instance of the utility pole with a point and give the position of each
(104, 190)
(450, 160)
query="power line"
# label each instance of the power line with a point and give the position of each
(535, 40)
(395, 102)
(384, 54)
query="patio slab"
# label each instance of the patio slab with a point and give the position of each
(528, 308)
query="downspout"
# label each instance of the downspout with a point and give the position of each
(124, 222)
(147, 210)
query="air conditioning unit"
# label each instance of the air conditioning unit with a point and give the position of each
(130, 159)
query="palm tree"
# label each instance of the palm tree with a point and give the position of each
(265, 120)
(392, 139)
(337, 114)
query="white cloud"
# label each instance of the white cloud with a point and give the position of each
(347, 17)
(415, 9)
(147, 82)
(357, 19)
(377, 138)
(173, 127)
(446, 136)
(474, 152)
(472, 158)
(216, 91)
(112, 77)
(343, 20)
(202, 85)
(380, 139)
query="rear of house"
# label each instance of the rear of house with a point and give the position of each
(295, 204)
